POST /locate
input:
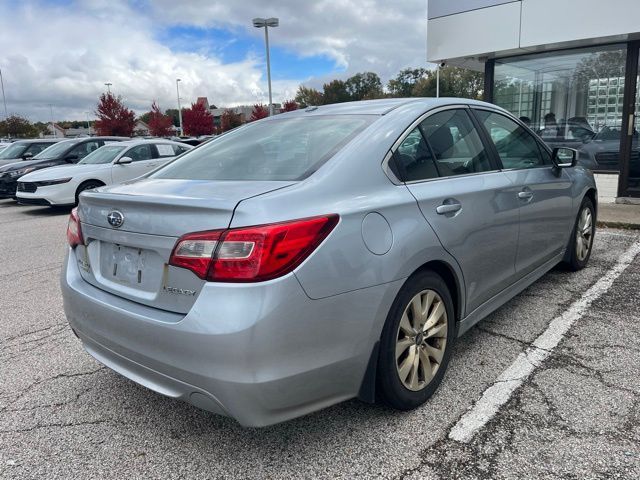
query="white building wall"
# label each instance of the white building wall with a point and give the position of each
(607, 185)
(475, 31)
(523, 26)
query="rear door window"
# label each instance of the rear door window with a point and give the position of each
(165, 150)
(140, 153)
(413, 159)
(84, 149)
(455, 143)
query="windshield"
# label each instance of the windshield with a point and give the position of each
(104, 154)
(279, 149)
(56, 149)
(15, 150)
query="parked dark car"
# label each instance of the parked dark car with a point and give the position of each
(62, 153)
(25, 150)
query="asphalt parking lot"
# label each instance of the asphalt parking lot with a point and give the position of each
(577, 415)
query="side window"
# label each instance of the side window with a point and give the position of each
(413, 159)
(139, 153)
(516, 147)
(36, 148)
(455, 143)
(84, 149)
(165, 150)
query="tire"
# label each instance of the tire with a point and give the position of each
(401, 388)
(581, 242)
(88, 185)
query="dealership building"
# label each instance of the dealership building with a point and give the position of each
(568, 68)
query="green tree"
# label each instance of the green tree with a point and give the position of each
(173, 113)
(364, 86)
(402, 85)
(17, 126)
(335, 92)
(454, 82)
(306, 96)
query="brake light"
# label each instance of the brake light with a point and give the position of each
(252, 254)
(74, 233)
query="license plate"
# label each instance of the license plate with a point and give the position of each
(127, 264)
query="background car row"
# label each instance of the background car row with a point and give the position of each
(134, 158)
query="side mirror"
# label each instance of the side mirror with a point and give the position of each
(27, 156)
(564, 157)
(125, 160)
(72, 158)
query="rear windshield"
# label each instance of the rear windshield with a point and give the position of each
(279, 149)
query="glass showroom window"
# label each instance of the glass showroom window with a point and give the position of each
(570, 98)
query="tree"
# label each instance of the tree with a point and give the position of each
(402, 85)
(259, 111)
(159, 124)
(173, 113)
(335, 92)
(454, 82)
(289, 106)
(306, 96)
(113, 117)
(229, 120)
(17, 126)
(364, 86)
(197, 120)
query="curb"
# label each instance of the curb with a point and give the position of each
(622, 225)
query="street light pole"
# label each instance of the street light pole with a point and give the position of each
(53, 126)
(266, 23)
(4, 100)
(108, 84)
(179, 108)
(86, 114)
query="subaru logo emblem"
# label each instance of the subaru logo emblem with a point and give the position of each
(115, 218)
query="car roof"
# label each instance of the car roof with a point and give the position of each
(37, 140)
(383, 106)
(149, 140)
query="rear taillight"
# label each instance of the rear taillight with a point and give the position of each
(74, 233)
(252, 254)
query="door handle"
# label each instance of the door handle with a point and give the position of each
(525, 194)
(448, 208)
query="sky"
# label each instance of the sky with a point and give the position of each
(62, 52)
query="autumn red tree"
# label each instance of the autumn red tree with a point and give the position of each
(289, 106)
(160, 125)
(259, 111)
(197, 120)
(113, 117)
(229, 120)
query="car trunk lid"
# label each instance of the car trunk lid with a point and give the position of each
(131, 260)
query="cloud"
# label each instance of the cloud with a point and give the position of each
(62, 53)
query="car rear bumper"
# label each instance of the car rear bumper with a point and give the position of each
(260, 353)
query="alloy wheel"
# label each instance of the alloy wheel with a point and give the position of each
(584, 234)
(421, 340)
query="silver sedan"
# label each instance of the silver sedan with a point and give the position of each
(323, 254)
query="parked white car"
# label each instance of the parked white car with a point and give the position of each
(110, 164)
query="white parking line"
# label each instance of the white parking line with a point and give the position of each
(500, 392)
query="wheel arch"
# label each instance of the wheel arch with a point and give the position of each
(592, 194)
(451, 278)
